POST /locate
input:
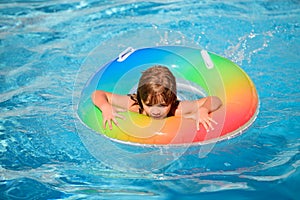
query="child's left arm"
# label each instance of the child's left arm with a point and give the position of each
(199, 110)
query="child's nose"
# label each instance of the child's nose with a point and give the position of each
(155, 111)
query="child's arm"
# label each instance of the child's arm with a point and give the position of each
(110, 104)
(199, 110)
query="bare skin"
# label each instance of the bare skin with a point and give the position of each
(111, 104)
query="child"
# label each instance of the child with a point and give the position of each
(156, 97)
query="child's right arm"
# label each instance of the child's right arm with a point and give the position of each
(110, 104)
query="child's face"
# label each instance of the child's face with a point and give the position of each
(157, 111)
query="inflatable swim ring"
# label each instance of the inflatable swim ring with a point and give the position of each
(211, 73)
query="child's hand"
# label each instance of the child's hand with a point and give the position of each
(204, 119)
(109, 114)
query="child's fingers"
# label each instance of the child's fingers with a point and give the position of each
(105, 121)
(104, 124)
(207, 124)
(198, 125)
(109, 124)
(115, 121)
(204, 125)
(120, 116)
(198, 122)
(212, 120)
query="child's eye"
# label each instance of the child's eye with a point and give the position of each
(159, 105)
(163, 105)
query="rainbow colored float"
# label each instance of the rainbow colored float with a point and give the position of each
(211, 73)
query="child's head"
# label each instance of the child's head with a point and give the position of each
(157, 86)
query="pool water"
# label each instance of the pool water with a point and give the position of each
(49, 49)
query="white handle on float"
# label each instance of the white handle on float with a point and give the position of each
(208, 62)
(124, 54)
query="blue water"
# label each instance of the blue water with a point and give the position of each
(49, 49)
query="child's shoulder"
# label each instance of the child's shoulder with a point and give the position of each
(133, 103)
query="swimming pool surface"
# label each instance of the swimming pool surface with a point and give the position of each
(49, 49)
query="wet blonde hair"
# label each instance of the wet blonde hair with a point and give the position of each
(157, 85)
